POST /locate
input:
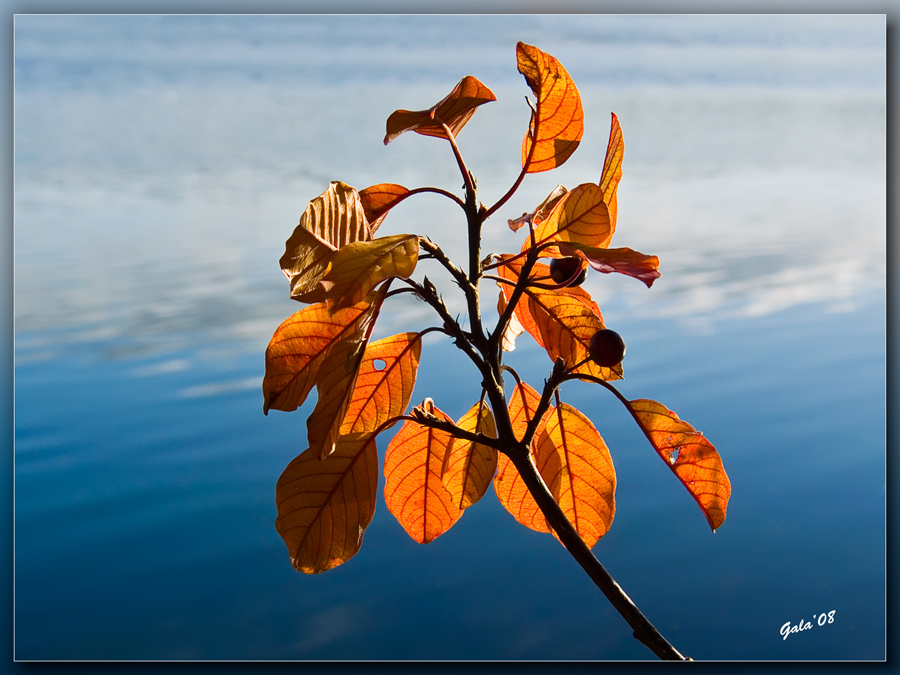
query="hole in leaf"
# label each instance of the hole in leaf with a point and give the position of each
(673, 455)
(379, 364)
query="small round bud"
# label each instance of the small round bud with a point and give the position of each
(563, 269)
(607, 348)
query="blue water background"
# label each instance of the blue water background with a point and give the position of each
(160, 164)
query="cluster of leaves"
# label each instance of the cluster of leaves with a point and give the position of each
(435, 467)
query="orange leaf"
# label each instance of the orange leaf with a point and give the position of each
(412, 468)
(581, 217)
(298, 348)
(377, 200)
(454, 111)
(514, 327)
(469, 467)
(325, 505)
(332, 220)
(621, 260)
(508, 484)
(359, 267)
(387, 375)
(337, 376)
(612, 168)
(576, 465)
(691, 457)
(557, 123)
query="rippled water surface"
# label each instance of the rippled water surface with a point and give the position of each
(160, 164)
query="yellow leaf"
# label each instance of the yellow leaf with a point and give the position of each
(557, 123)
(581, 216)
(359, 267)
(332, 220)
(412, 469)
(325, 505)
(690, 456)
(469, 467)
(454, 111)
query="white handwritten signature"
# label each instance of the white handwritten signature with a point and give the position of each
(820, 620)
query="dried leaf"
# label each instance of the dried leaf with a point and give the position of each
(413, 491)
(332, 220)
(691, 457)
(377, 200)
(577, 467)
(454, 111)
(621, 260)
(298, 348)
(469, 467)
(384, 385)
(581, 217)
(325, 505)
(612, 168)
(514, 328)
(557, 123)
(359, 267)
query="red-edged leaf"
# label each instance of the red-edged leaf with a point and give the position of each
(384, 385)
(622, 260)
(576, 465)
(454, 111)
(508, 484)
(325, 505)
(413, 491)
(469, 467)
(557, 123)
(377, 200)
(691, 457)
(332, 220)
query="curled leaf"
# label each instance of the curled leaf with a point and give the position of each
(359, 267)
(690, 456)
(324, 506)
(332, 220)
(454, 110)
(580, 216)
(469, 467)
(612, 168)
(557, 122)
(413, 492)
(377, 200)
(622, 260)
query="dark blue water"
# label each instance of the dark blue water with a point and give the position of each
(162, 162)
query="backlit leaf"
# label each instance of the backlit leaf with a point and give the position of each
(325, 505)
(691, 457)
(413, 491)
(581, 217)
(542, 211)
(612, 168)
(337, 376)
(454, 111)
(387, 376)
(621, 260)
(513, 329)
(377, 200)
(508, 484)
(576, 465)
(359, 267)
(332, 220)
(557, 123)
(298, 348)
(469, 467)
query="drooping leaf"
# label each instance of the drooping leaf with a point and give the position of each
(542, 211)
(454, 111)
(332, 220)
(581, 216)
(298, 348)
(469, 467)
(325, 505)
(413, 491)
(622, 260)
(337, 376)
(612, 168)
(359, 267)
(384, 385)
(690, 456)
(576, 465)
(508, 484)
(377, 200)
(557, 122)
